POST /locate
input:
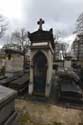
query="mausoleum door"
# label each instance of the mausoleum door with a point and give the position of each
(39, 73)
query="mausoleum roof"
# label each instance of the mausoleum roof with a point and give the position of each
(41, 35)
(11, 51)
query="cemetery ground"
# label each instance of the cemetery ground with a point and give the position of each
(33, 112)
(41, 111)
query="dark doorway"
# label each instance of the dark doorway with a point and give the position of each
(39, 73)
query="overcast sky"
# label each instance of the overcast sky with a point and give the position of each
(58, 14)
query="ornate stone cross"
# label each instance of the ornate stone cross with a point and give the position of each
(40, 23)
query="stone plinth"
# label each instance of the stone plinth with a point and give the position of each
(7, 106)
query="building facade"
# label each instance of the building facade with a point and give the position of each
(77, 49)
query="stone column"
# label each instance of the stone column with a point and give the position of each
(30, 89)
(49, 74)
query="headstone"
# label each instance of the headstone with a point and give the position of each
(7, 106)
(67, 62)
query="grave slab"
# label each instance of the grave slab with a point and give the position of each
(7, 106)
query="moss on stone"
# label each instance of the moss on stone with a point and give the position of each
(25, 118)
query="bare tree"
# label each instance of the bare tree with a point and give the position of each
(79, 38)
(79, 24)
(60, 47)
(58, 34)
(21, 39)
(3, 25)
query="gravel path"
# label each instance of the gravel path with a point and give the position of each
(36, 113)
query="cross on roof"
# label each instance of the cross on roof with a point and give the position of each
(40, 23)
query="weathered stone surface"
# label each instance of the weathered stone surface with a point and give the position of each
(7, 106)
(6, 80)
(20, 84)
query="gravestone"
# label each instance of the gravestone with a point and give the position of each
(41, 61)
(7, 106)
(68, 62)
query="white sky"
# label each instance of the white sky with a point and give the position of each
(58, 14)
(11, 8)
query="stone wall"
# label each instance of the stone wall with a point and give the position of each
(15, 63)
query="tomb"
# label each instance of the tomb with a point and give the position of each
(20, 84)
(13, 63)
(41, 61)
(68, 62)
(69, 90)
(5, 81)
(8, 115)
(19, 81)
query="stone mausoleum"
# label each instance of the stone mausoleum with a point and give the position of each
(41, 61)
